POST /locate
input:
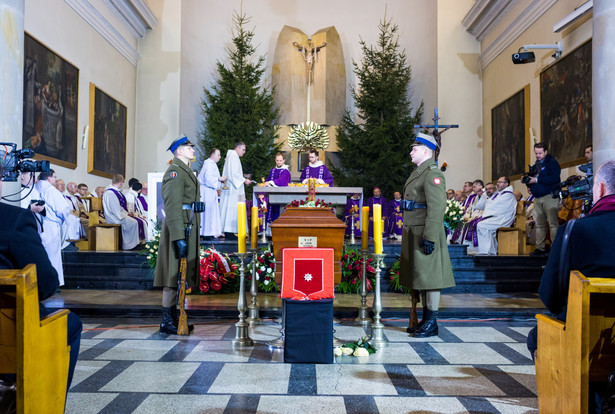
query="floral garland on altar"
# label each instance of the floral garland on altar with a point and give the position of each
(453, 215)
(309, 203)
(217, 273)
(265, 268)
(352, 267)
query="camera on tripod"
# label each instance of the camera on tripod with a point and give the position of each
(532, 172)
(576, 188)
(15, 162)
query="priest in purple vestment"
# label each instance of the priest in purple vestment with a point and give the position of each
(352, 215)
(397, 218)
(279, 176)
(316, 169)
(378, 199)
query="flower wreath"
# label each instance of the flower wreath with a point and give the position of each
(352, 268)
(265, 269)
(217, 272)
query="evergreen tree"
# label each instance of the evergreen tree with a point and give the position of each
(239, 108)
(375, 151)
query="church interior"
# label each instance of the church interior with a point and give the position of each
(138, 72)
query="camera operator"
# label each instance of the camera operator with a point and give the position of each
(543, 178)
(588, 168)
(21, 245)
(588, 248)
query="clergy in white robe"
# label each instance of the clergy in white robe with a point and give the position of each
(499, 212)
(134, 230)
(236, 190)
(57, 212)
(210, 181)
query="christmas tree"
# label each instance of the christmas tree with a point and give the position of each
(375, 149)
(240, 108)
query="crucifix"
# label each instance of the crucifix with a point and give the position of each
(436, 132)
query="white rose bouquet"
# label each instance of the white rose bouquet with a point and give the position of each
(453, 216)
(359, 348)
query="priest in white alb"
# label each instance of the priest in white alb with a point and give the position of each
(236, 190)
(134, 230)
(210, 181)
(499, 211)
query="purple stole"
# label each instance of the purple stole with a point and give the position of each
(69, 198)
(124, 205)
(471, 234)
(458, 235)
(273, 212)
(320, 172)
(143, 202)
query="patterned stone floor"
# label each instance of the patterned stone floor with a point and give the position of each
(126, 366)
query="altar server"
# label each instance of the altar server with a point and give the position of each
(236, 190)
(211, 181)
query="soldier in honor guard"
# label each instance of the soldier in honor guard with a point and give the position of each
(425, 262)
(180, 190)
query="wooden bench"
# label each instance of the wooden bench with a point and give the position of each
(34, 349)
(571, 354)
(513, 240)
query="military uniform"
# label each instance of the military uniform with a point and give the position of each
(419, 271)
(179, 187)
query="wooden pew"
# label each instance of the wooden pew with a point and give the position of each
(33, 348)
(513, 240)
(571, 354)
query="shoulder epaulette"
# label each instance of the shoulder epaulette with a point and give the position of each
(433, 167)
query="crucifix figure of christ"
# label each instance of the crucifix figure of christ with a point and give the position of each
(436, 131)
(310, 55)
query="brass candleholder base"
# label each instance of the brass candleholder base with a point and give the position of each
(242, 338)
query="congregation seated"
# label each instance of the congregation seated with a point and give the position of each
(134, 229)
(499, 211)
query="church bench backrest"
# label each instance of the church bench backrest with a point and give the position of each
(571, 354)
(34, 349)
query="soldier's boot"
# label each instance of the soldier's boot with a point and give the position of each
(430, 327)
(168, 325)
(176, 319)
(415, 328)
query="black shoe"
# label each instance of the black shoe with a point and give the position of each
(430, 327)
(230, 236)
(538, 253)
(418, 326)
(208, 238)
(167, 325)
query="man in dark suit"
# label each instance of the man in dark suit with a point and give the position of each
(590, 247)
(20, 245)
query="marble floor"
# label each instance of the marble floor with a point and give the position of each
(126, 366)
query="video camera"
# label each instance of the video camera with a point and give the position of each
(533, 171)
(15, 161)
(575, 187)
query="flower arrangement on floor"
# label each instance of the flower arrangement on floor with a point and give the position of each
(393, 275)
(359, 348)
(453, 215)
(352, 265)
(151, 247)
(218, 273)
(265, 268)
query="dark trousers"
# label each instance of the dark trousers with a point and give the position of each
(74, 327)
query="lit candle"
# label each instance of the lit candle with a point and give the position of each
(255, 226)
(241, 227)
(377, 229)
(364, 227)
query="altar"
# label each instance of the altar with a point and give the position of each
(286, 195)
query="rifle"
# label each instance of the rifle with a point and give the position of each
(182, 324)
(413, 320)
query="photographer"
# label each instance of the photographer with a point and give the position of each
(21, 245)
(543, 178)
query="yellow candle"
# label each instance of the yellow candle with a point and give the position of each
(241, 227)
(377, 229)
(255, 225)
(364, 227)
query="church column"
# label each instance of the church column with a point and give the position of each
(11, 75)
(603, 84)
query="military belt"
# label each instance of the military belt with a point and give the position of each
(410, 205)
(186, 206)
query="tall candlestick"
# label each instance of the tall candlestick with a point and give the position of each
(241, 227)
(364, 227)
(254, 229)
(377, 229)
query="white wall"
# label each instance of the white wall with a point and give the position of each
(60, 28)
(459, 95)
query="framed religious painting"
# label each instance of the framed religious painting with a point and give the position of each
(510, 124)
(107, 148)
(50, 97)
(566, 106)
